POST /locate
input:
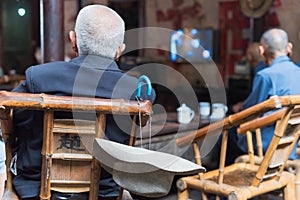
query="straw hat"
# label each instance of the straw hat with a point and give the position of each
(255, 8)
(140, 171)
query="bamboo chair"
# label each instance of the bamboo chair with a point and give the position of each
(66, 170)
(255, 125)
(246, 180)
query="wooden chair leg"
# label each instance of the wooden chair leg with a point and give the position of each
(47, 152)
(95, 178)
(293, 166)
(9, 186)
(297, 184)
(234, 197)
(289, 191)
(183, 195)
(183, 191)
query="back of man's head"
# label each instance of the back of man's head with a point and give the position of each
(99, 31)
(275, 42)
(253, 55)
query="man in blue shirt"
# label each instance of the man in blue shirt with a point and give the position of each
(280, 78)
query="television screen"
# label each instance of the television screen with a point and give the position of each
(194, 45)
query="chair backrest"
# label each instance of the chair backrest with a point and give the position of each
(57, 151)
(272, 164)
(287, 131)
(256, 125)
(285, 136)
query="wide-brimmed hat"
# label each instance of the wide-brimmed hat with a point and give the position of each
(141, 171)
(255, 8)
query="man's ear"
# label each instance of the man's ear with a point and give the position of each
(261, 50)
(120, 51)
(265, 57)
(72, 36)
(289, 49)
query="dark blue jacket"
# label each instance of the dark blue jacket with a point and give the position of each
(90, 76)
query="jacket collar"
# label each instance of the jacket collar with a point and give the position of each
(95, 61)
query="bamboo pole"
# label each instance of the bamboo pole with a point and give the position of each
(96, 165)
(47, 152)
(259, 142)
(67, 103)
(272, 147)
(240, 117)
(209, 186)
(133, 130)
(261, 122)
(250, 147)
(223, 156)
(198, 161)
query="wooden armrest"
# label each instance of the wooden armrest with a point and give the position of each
(261, 122)
(231, 120)
(69, 103)
(200, 133)
(251, 113)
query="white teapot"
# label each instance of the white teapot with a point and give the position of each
(185, 114)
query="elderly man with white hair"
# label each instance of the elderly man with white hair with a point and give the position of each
(98, 40)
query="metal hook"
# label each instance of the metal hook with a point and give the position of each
(148, 82)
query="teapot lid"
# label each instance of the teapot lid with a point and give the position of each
(183, 107)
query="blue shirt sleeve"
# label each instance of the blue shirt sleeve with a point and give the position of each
(259, 93)
(21, 88)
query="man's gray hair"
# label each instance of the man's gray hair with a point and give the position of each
(99, 31)
(275, 40)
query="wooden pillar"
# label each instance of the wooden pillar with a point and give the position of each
(258, 29)
(52, 30)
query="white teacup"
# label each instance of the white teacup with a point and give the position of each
(185, 114)
(218, 111)
(204, 110)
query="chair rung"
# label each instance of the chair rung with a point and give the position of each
(73, 131)
(73, 126)
(70, 182)
(72, 156)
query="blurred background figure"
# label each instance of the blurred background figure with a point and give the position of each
(254, 59)
(38, 55)
(256, 64)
